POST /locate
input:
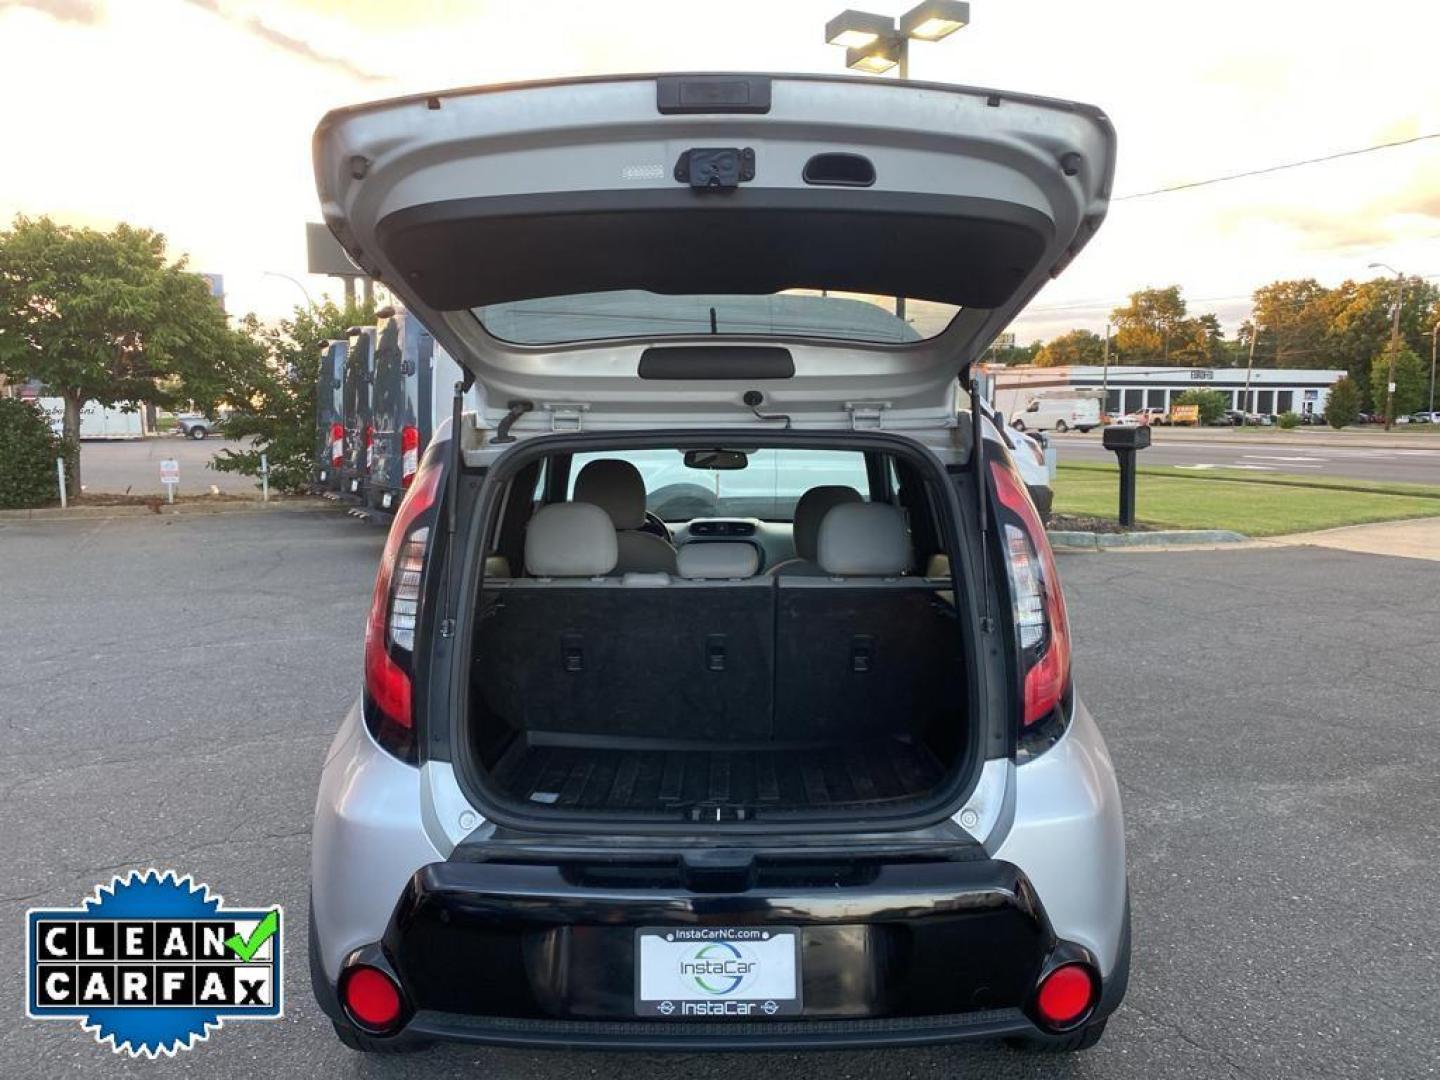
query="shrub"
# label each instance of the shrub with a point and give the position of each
(1212, 403)
(1343, 405)
(28, 448)
(1289, 420)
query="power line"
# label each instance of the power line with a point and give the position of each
(1278, 168)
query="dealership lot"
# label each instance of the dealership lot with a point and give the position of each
(170, 686)
(121, 466)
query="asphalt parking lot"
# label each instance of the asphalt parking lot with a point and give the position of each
(132, 466)
(170, 685)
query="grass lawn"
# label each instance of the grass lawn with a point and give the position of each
(1232, 499)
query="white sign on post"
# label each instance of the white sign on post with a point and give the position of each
(170, 477)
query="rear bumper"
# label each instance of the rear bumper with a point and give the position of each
(892, 954)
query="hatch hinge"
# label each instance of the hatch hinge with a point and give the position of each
(565, 417)
(866, 415)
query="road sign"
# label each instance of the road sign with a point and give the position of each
(170, 477)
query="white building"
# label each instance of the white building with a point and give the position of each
(1129, 389)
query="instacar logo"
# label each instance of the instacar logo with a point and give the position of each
(153, 962)
(719, 968)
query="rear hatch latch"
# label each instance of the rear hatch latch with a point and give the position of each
(715, 168)
(866, 415)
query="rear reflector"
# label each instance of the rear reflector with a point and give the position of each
(1066, 995)
(369, 447)
(337, 445)
(409, 454)
(371, 999)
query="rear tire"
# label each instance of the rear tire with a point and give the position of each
(1061, 427)
(366, 1044)
(197, 432)
(1070, 1043)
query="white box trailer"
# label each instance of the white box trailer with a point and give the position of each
(97, 421)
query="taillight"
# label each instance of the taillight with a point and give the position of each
(1041, 626)
(394, 611)
(1066, 996)
(409, 454)
(337, 445)
(372, 999)
(369, 447)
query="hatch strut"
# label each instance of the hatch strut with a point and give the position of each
(452, 494)
(982, 502)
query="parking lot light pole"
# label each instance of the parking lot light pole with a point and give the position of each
(876, 43)
(1434, 332)
(1394, 340)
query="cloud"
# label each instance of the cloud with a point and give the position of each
(295, 46)
(83, 12)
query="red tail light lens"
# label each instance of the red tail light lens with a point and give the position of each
(409, 454)
(394, 612)
(337, 445)
(1066, 996)
(1041, 624)
(369, 447)
(372, 999)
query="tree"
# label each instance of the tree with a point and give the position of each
(1147, 325)
(1410, 382)
(1075, 347)
(1359, 325)
(105, 317)
(1343, 405)
(1212, 403)
(1293, 317)
(274, 394)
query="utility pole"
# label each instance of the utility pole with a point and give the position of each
(1105, 374)
(1249, 368)
(1434, 333)
(1394, 349)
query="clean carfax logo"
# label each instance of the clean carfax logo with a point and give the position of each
(153, 962)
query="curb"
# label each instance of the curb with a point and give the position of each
(91, 513)
(1088, 541)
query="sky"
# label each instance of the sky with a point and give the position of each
(194, 117)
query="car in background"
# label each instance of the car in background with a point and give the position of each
(329, 413)
(197, 425)
(1123, 420)
(1425, 418)
(1059, 413)
(1228, 418)
(1154, 417)
(1032, 456)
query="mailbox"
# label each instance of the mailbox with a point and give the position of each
(1126, 438)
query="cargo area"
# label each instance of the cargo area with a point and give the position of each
(735, 686)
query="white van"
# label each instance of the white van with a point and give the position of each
(1060, 412)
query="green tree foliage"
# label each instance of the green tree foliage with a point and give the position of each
(1289, 419)
(104, 316)
(1014, 354)
(1146, 326)
(1212, 403)
(1359, 327)
(274, 397)
(1410, 382)
(28, 449)
(1293, 317)
(1343, 405)
(1076, 347)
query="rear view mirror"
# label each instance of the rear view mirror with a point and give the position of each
(716, 459)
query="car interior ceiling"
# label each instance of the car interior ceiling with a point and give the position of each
(717, 675)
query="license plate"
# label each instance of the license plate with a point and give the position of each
(354, 485)
(711, 972)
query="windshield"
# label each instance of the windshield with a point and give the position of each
(767, 488)
(635, 313)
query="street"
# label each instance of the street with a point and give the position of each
(1301, 452)
(118, 467)
(171, 686)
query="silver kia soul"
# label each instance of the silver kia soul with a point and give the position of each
(717, 681)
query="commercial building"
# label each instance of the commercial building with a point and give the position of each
(1129, 389)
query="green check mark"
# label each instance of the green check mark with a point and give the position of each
(246, 948)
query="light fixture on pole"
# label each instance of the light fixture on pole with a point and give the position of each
(1394, 340)
(876, 44)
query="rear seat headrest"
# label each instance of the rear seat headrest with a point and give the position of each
(570, 540)
(810, 511)
(717, 560)
(864, 540)
(615, 486)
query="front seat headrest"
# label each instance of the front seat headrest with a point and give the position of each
(864, 540)
(570, 540)
(810, 511)
(615, 486)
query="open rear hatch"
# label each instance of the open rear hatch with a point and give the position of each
(643, 247)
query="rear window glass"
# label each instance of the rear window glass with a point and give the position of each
(767, 488)
(634, 313)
